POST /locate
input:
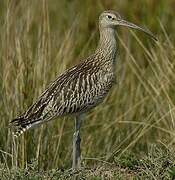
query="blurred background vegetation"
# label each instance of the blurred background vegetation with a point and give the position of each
(40, 39)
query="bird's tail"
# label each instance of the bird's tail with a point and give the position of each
(22, 124)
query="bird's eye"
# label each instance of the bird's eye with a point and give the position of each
(109, 17)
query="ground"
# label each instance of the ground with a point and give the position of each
(158, 164)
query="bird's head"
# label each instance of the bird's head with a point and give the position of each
(112, 19)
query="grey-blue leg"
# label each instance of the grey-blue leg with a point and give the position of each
(76, 155)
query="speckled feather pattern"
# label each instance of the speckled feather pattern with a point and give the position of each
(77, 90)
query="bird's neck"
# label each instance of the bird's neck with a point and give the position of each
(107, 44)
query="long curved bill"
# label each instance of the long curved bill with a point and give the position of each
(133, 26)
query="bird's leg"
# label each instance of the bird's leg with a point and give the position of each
(76, 164)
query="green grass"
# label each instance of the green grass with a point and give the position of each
(40, 39)
(159, 164)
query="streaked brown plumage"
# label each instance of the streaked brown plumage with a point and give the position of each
(83, 86)
(77, 90)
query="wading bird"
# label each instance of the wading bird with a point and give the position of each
(81, 87)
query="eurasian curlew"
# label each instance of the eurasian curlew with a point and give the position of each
(81, 87)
